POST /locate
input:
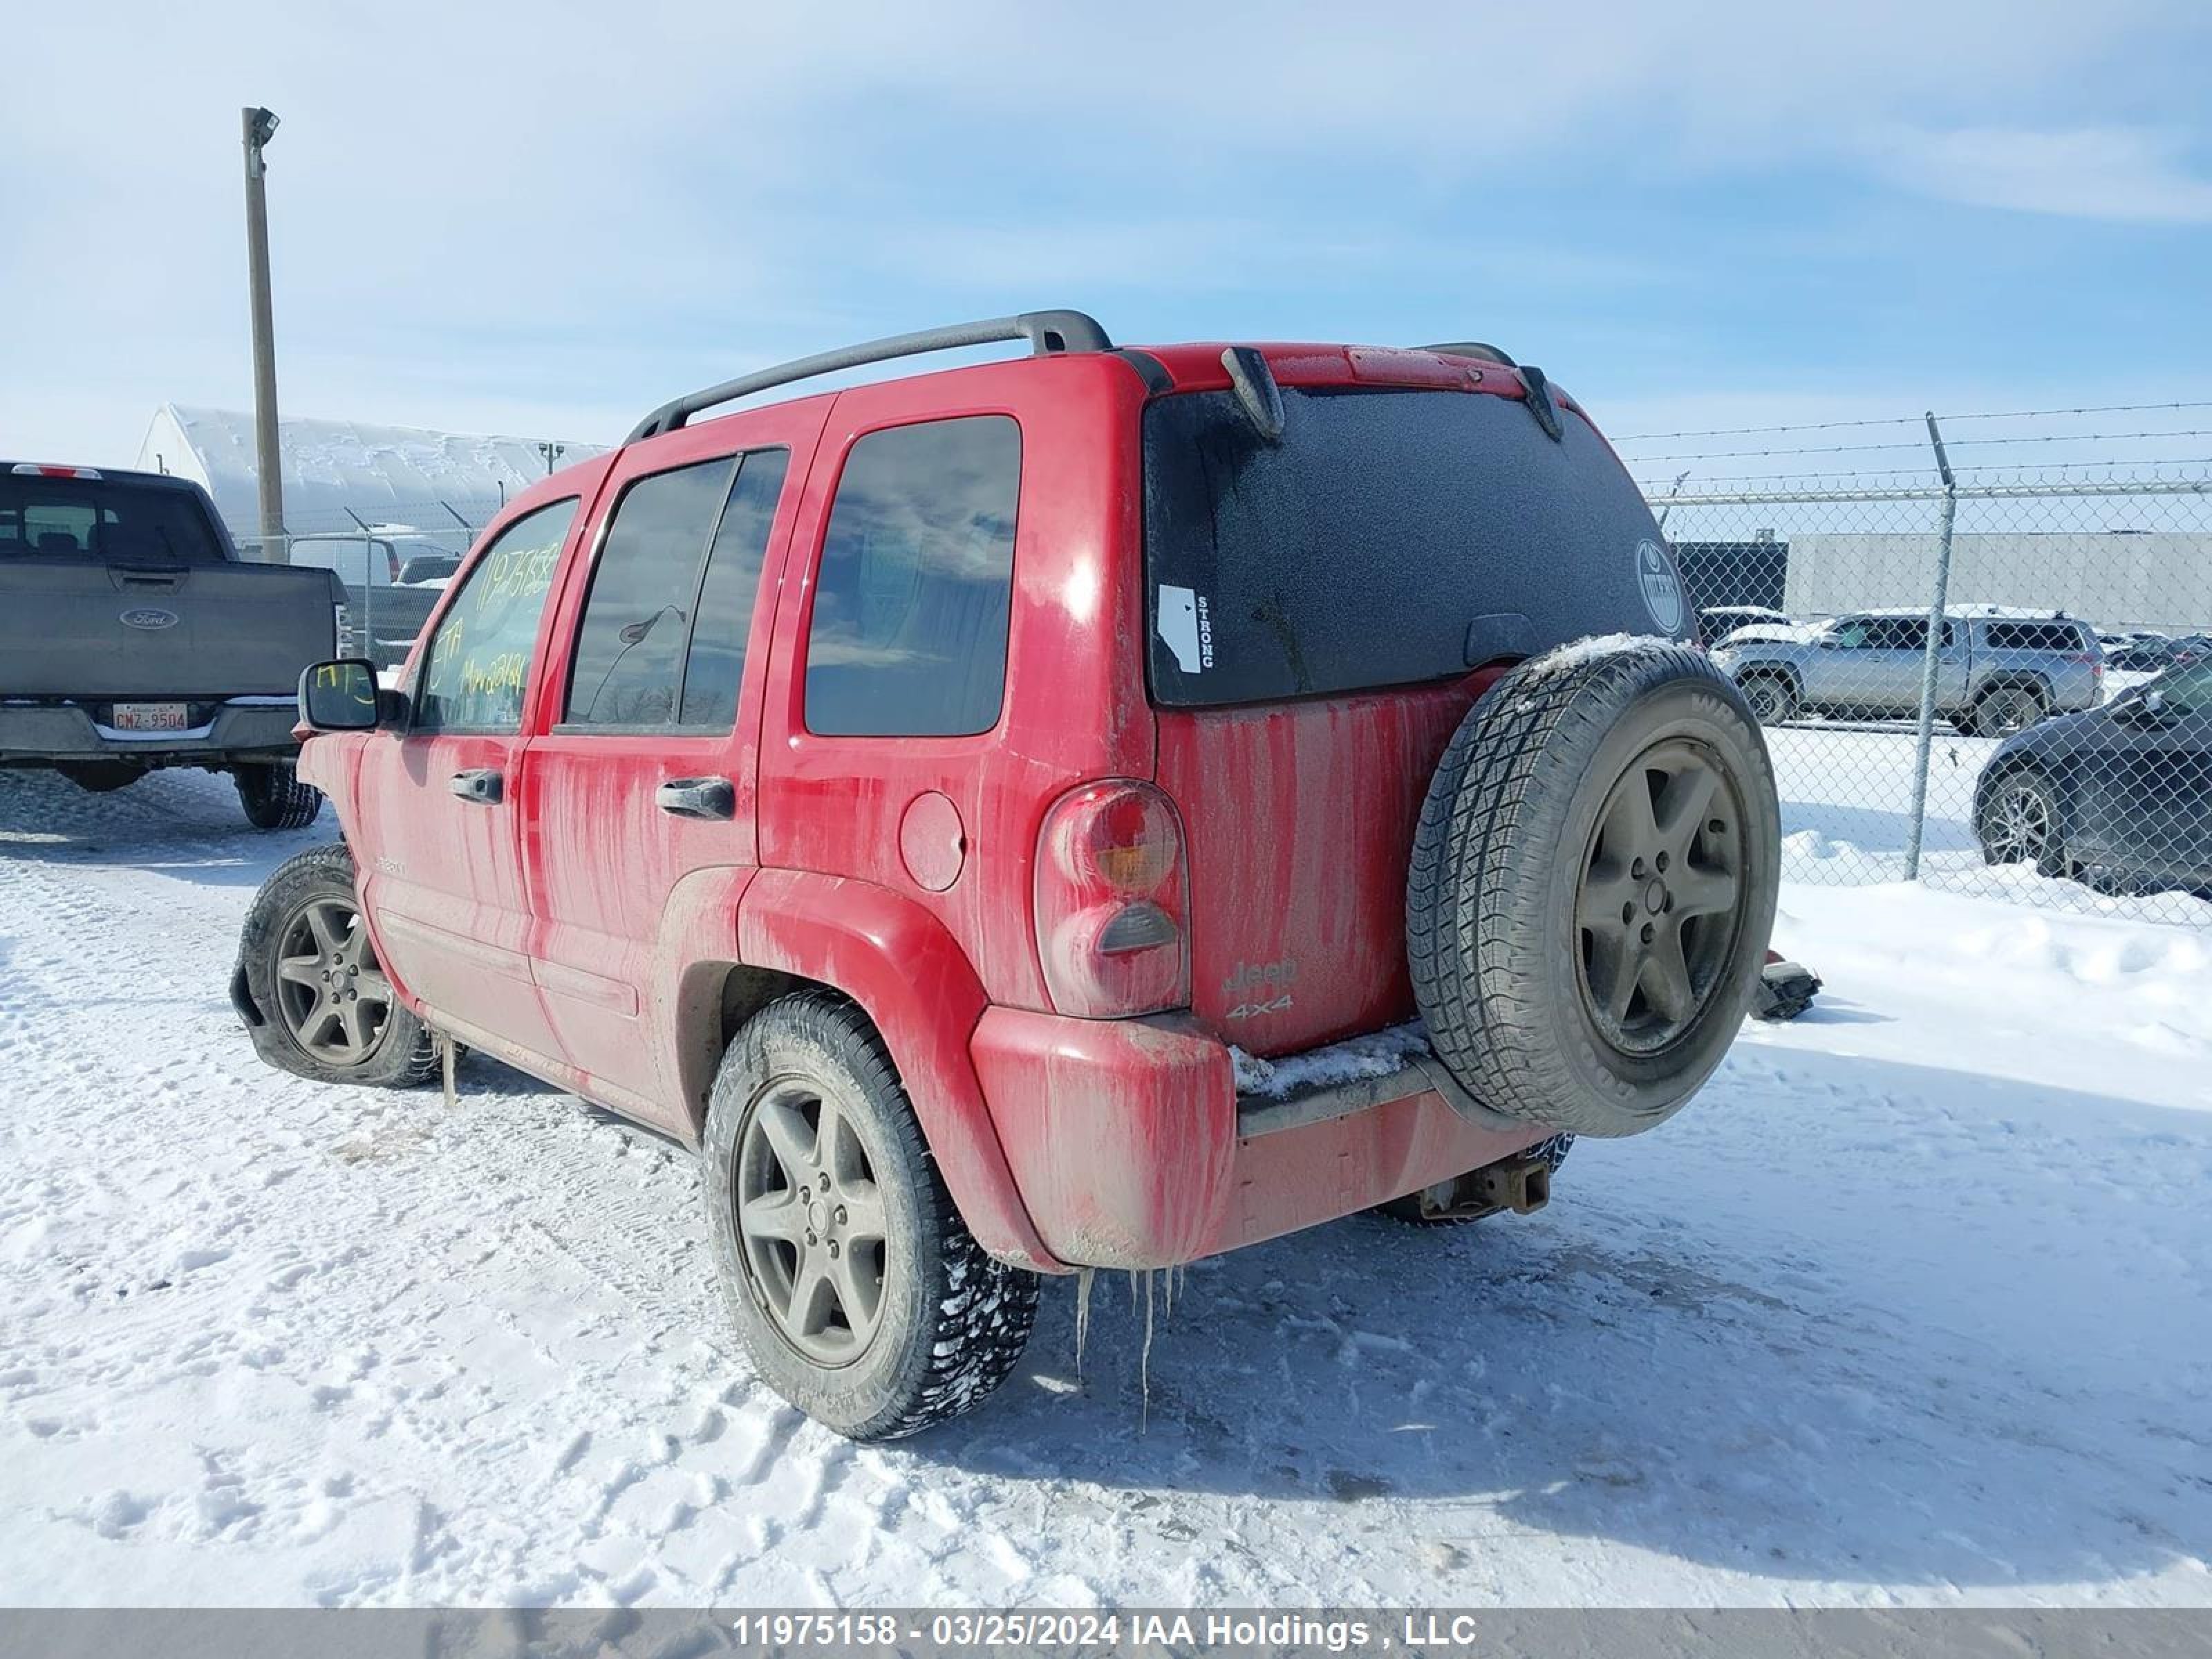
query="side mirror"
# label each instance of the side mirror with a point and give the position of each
(340, 697)
(2145, 707)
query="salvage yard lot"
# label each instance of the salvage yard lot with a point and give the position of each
(1913, 1306)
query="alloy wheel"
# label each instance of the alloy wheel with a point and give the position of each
(2021, 827)
(332, 992)
(810, 1216)
(1662, 896)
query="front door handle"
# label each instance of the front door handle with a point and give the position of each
(698, 798)
(482, 785)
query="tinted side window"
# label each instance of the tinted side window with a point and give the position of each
(716, 666)
(637, 616)
(909, 636)
(1851, 635)
(478, 661)
(2033, 636)
(1898, 633)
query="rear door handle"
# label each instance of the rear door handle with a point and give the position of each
(698, 798)
(482, 785)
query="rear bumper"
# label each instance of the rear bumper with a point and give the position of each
(228, 729)
(1131, 1148)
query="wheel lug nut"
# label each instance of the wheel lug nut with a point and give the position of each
(1662, 864)
(841, 1215)
(810, 1236)
(1628, 913)
(1637, 869)
(833, 1249)
(1714, 826)
(1667, 908)
(1650, 931)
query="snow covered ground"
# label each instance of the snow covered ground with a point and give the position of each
(1914, 1306)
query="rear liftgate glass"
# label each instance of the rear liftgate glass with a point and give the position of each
(1385, 538)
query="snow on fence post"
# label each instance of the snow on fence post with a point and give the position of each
(1930, 656)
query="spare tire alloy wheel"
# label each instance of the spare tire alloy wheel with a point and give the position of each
(1592, 887)
(813, 1222)
(1660, 905)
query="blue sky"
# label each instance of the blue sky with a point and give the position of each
(547, 219)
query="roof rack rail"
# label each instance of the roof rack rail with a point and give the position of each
(1473, 348)
(1048, 332)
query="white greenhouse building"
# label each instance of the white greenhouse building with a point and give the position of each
(340, 474)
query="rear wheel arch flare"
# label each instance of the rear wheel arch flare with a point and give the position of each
(715, 998)
(899, 964)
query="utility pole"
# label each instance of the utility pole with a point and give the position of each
(260, 126)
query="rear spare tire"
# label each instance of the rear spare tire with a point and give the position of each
(1592, 886)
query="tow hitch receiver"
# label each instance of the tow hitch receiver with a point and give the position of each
(1522, 1185)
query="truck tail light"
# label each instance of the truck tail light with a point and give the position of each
(1112, 920)
(36, 469)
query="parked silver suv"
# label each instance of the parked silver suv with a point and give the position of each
(1996, 669)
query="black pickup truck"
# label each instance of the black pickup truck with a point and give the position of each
(132, 637)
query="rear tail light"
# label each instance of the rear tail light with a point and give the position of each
(344, 619)
(1111, 917)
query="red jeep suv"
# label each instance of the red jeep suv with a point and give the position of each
(1093, 810)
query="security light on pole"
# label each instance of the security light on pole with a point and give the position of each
(260, 126)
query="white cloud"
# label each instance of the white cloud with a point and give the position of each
(481, 211)
(2121, 173)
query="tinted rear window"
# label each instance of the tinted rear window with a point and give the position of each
(108, 518)
(2035, 636)
(1389, 538)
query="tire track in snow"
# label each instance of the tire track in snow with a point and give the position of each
(261, 1340)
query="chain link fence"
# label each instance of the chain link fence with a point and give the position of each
(394, 564)
(1982, 648)
(1987, 666)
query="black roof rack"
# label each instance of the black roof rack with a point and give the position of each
(1473, 348)
(1048, 332)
